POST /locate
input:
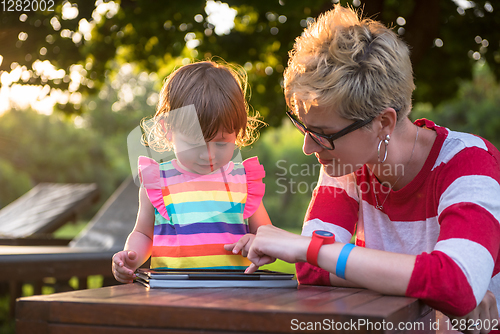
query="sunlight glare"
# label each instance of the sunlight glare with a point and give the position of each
(465, 4)
(108, 9)
(40, 98)
(221, 16)
(69, 11)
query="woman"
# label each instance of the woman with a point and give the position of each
(423, 200)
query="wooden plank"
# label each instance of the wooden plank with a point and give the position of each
(395, 310)
(45, 208)
(213, 310)
(241, 297)
(385, 308)
(297, 301)
(28, 326)
(27, 309)
(168, 317)
(39, 240)
(83, 329)
(32, 317)
(37, 262)
(317, 301)
(113, 223)
(346, 299)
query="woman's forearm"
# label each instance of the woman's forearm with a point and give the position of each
(337, 281)
(384, 272)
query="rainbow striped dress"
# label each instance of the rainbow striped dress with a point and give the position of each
(195, 215)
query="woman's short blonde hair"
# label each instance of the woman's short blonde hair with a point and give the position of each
(217, 91)
(357, 66)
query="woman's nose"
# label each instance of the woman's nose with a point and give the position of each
(310, 146)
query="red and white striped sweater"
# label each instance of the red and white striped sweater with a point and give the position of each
(448, 216)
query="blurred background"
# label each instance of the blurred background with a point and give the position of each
(77, 76)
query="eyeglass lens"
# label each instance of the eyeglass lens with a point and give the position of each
(325, 143)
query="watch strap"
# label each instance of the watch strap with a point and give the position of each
(314, 246)
(313, 250)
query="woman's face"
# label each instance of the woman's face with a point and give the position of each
(203, 157)
(352, 150)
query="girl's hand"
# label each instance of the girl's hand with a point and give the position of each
(124, 266)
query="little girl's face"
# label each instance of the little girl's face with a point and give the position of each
(203, 157)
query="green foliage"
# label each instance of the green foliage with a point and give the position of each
(69, 231)
(48, 149)
(7, 325)
(290, 175)
(13, 183)
(154, 36)
(474, 110)
(467, 36)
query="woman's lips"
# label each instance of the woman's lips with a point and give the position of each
(325, 162)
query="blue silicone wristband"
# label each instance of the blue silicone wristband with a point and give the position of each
(342, 260)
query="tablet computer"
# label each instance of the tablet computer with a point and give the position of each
(214, 274)
(213, 278)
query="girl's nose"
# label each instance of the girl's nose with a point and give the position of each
(207, 152)
(310, 146)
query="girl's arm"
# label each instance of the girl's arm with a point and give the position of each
(258, 219)
(139, 242)
(141, 239)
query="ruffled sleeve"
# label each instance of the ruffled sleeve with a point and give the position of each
(256, 188)
(149, 174)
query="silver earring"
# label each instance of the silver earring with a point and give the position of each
(386, 142)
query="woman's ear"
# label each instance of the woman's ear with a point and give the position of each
(169, 135)
(386, 122)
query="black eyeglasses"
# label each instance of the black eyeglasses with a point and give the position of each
(326, 141)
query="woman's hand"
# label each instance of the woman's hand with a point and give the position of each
(124, 266)
(272, 243)
(484, 315)
(242, 245)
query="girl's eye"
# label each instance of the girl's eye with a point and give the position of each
(221, 144)
(194, 143)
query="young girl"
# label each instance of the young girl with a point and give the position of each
(191, 206)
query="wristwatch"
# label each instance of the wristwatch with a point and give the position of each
(319, 238)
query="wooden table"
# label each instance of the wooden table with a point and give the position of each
(135, 309)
